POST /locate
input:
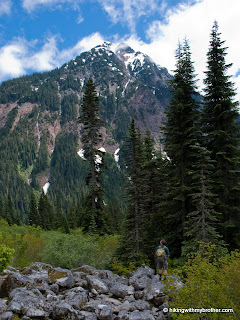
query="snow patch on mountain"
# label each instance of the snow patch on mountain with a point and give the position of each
(45, 187)
(116, 155)
(81, 154)
(134, 60)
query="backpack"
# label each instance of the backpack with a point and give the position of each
(160, 254)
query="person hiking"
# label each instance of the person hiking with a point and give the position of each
(161, 255)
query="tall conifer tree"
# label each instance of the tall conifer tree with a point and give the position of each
(181, 133)
(131, 242)
(33, 216)
(91, 137)
(222, 137)
(201, 222)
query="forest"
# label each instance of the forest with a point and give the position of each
(187, 192)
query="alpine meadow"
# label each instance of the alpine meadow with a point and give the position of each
(108, 154)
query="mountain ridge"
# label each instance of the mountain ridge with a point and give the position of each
(38, 117)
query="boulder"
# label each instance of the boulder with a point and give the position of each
(121, 290)
(44, 292)
(104, 312)
(96, 285)
(63, 311)
(62, 277)
(24, 301)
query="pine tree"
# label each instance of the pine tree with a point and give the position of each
(181, 133)
(222, 137)
(155, 166)
(202, 221)
(10, 215)
(131, 242)
(72, 217)
(33, 216)
(152, 186)
(91, 137)
(45, 210)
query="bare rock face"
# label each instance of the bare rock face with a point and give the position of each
(43, 292)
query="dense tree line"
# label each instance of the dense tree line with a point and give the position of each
(197, 198)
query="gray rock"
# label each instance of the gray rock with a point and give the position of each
(62, 277)
(12, 281)
(87, 315)
(63, 311)
(104, 312)
(36, 313)
(96, 284)
(122, 316)
(137, 315)
(76, 297)
(138, 295)
(24, 299)
(87, 270)
(54, 287)
(39, 266)
(141, 278)
(121, 290)
(44, 292)
(3, 305)
(154, 290)
(7, 315)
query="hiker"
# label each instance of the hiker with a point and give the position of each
(161, 255)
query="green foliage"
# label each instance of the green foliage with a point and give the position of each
(30, 244)
(25, 241)
(91, 138)
(4, 131)
(120, 269)
(75, 249)
(6, 254)
(143, 187)
(67, 171)
(181, 133)
(123, 269)
(69, 108)
(222, 138)
(210, 281)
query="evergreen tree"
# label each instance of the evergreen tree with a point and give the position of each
(181, 133)
(131, 242)
(156, 184)
(203, 219)
(33, 216)
(72, 217)
(45, 210)
(10, 216)
(222, 137)
(152, 188)
(91, 137)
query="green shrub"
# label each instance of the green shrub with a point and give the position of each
(75, 249)
(6, 254)
(210, 282)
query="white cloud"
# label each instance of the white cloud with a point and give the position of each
(129, 11)
(194, 21)
(31, 5)
(11, 64)
(5, 7)
(20, 56)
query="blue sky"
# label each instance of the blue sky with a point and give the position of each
(40, 35)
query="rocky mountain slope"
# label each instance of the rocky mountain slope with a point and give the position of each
(39, 134)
